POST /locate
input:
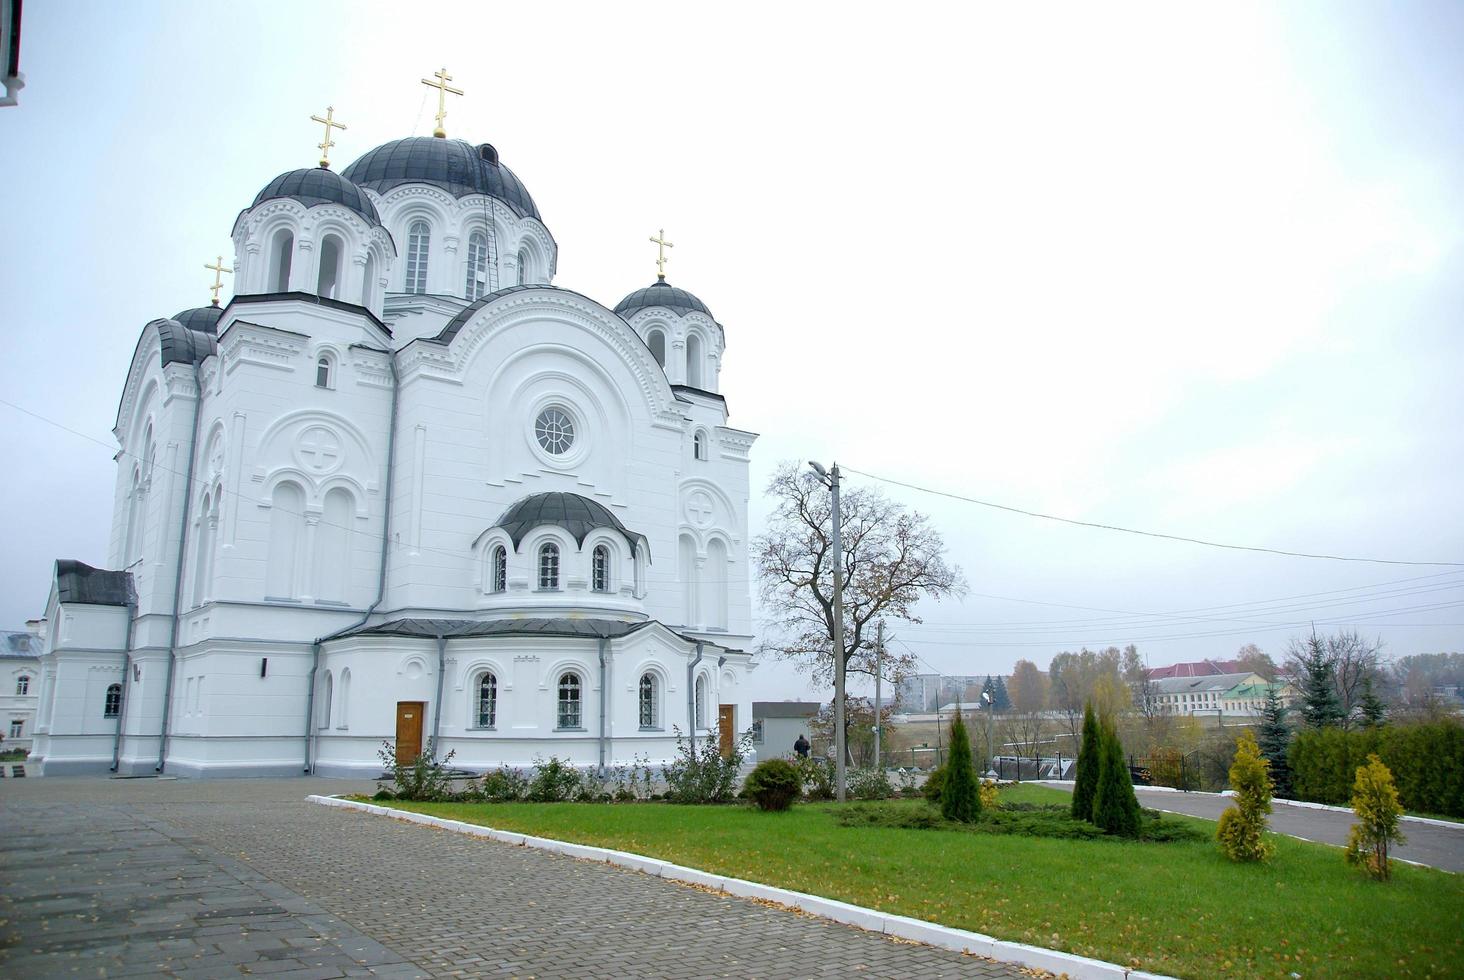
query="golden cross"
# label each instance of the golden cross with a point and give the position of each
(218, 269)
(329, 123)
(442, 91)
(661, 260)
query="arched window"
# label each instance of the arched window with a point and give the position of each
(282, 254)
(523, 267)
(329, 277)
(22, 684)
(699, 445)
(368, 281)
(133, 544)
(343, 713)
(656, 341)
(714, 582)
(701, 702)
(694, 360)
(549, 566)
(648, 716)
(487, 700)
(323, 371)
(570, 713)
(286, 532)
(600, 569)
(325, 701)
(499, 571)
(203, 551)
(419, 239)
(690, 575)
(112, 706)
(477, 283)
(332, 565)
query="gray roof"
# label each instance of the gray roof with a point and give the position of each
(79, 582)
(577, 515)
(785, 709)
(1198, 685)
(662, 293)
(456, 166)
(19, 646)
(185, 344)
(317, 185)
(590, 629)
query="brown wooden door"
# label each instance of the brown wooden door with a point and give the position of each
(409, 730)
(725, 727)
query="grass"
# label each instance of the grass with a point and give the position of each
(1177, 907)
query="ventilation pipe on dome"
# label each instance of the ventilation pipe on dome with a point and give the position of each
(604, 685)
(691, 695)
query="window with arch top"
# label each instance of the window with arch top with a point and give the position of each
(600, 569)
(487, 713)
(419, 239)
(112, 707)
(694, 360)
(498, 572)
(523, 267)
(656, 341)
(701, 702)
(699, 445)
(22, 684)
(282, 253)
(477, 284)
(549, 566)
(328, 279)
(323, 366)
(570, 714)
(648, 699)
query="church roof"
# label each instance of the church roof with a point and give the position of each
(590, 629)
(184, 344)
(455, 166)
(662, 293)
(577, 515)
(204, 318)
(79, 582)
(317, 185)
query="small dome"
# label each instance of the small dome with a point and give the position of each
(456, 166)
(577, 515)
(318, 185)
(202, 318)
(190, 340)
(663, 294)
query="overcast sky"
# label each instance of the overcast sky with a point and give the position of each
(1198, 272)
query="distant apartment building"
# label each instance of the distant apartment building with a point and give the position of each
(921, 693)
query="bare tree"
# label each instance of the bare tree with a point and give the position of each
(892, 559)
(1353, 659)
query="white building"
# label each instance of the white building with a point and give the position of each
(20, 676)
(403, 487)
(1221, 695)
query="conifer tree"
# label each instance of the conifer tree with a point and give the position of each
(1085, 780)
(960, 798)
(1275, 740)
(1320, 705)
(1375, 800)
(1003, 699)
(1374, 712)
(1115, 807)
(1242, 826)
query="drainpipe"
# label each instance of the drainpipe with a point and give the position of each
(437, 705)
(604, 681)
(380, 578)
(126, 670)
(178, 572)
(691, 695)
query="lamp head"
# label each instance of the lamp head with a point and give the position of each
(823, 474)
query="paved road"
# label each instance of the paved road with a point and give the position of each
(233, 877)
(1440, 847)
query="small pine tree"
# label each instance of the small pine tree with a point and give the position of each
(1375, 800)
(1374, 712)
(960, 798)
(1275, 741)
(1003, 699)
(1320, 705)
(1115, 807)
(1085, 780)
(1243, 826)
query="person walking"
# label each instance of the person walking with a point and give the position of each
(801, 746)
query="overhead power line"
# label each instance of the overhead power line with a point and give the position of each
(1151, 534)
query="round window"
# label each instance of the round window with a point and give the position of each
(555, 431)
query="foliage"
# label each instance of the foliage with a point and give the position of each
(1115, 807)
(633, 782)
(934, 784)
(1343, 664)
(773, 784)
(1085, 780)
(1243, 826)
(1320, 706)
(959, 798)
(1167, 767)
(1251, 658)
(990, 794)
(1427, 762)
(1375, 801)
(503, 785)
(700, 773)
(1274, 738)
(858, 727)
(908, 786)
(893, 558)
(818, 777)
(1087, 675)
(555, 780)
(1370, 706)
(1026, 819)
(869, 784)
(1422, 676)
(423, 778)
(996, 687)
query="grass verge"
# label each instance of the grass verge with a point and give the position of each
(1177, 907)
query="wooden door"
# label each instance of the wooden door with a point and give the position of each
(726, 731)
(409, 730)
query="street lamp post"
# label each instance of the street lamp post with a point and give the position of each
(830, 479)
(990, 710)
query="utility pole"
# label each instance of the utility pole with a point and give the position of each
(878, 703)
(830, 479)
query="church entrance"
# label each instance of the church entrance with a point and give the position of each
(409, 730)
(726, 732)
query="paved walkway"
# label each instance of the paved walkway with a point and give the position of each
(236, 877)
(1439, 847)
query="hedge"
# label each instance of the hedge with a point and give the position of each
(1427, 762)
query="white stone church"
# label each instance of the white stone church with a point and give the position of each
(404, 487)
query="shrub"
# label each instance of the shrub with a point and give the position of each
(773, 784)
(555, 781)
(1085, 780)
(818, 777)
(869, 784)
(988, 793)
(1115, 807)
(1375, 799)
(959, 798)
(1243, 826)
(1427, 762)
(934, 783)
(700, 774)
(424, 778)
(907, 783)
(503, 785)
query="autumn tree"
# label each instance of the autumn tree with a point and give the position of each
(1243, 826)
(1375, 801)
(1078, 678)
(892, 559)
(1253, 659)
(1345, 661)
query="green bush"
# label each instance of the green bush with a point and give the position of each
(1085, 780)
(960, 799)
(555, 781)
(1242, 830)
(817, 776)
(934, 784)
(700, 773)
(503, 785)
(1049, 820)
(869, 784)
(1115, 807)
(773, 784)
(424, 778)
(1427, 762)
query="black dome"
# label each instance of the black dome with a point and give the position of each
(456, 166)
(204, 318)
(577, 515)
(661, 293)
(319, 186)
(185, 344)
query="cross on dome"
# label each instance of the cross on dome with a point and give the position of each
(329, 123)
(661, 245)
(442, 92)
(218, 269)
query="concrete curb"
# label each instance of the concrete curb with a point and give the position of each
(899, 926)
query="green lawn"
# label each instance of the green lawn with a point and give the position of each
(1177, 908)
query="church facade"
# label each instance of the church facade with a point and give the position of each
(403, 487)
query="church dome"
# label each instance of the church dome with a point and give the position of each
(201, 318)
(189, 337)
(456, 166)
(663, 294)
(318, 185)
(577, 515)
